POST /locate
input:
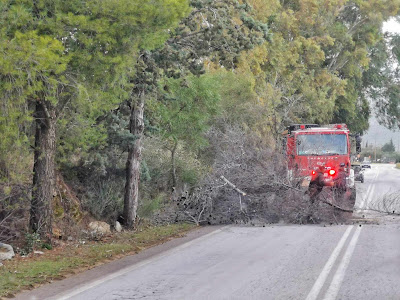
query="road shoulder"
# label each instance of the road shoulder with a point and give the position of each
(59, 287)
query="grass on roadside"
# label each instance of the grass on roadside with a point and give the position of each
(398, 166)
(26, 273)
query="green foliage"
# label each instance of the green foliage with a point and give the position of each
(185, 115)
(190, 168)
(214, 31)
(289, 76)
(316, 67)
(122, 29)
(148, 207)
(382, 81)
(258, 64)
(190, 176)
(47, 246)
(32, 240)
(360, 59)
(144, 171)
(389, 147)
(390, 157)
(370, 153)
(30, 65)
(77, 57)
(238, 101)
(396, 157)
(73, 62)
(103, 198)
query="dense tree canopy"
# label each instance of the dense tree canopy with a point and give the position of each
(85, 83)
(73, 57)
(317, 66)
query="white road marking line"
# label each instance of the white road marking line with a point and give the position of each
(93, 284)
(377, 174)
(319, 283)
(365, 200)
(340, 272)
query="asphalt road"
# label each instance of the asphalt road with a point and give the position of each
(272, 262)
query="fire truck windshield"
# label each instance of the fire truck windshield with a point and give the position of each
(321, 144)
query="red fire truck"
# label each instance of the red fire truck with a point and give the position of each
(321, 155)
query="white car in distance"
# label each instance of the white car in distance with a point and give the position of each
(366, 164)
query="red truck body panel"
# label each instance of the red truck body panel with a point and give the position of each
(327, 148)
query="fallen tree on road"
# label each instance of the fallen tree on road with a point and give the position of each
(248, 184)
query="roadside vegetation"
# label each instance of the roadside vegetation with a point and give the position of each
(172, 111)
(27, 272)
(385, 154)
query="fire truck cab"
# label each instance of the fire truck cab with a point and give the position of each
(313, 150)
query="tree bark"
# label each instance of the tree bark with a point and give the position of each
(43, 170)
(131, 197)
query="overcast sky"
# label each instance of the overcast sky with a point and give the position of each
(378, 134)
(391, 26)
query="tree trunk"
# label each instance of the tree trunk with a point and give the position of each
(43, 170)
(131, 197)
(173, 163)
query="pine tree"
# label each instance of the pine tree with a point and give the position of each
(60, 57)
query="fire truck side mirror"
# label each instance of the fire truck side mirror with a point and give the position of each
(358, 144)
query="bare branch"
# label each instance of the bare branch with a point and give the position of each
(232, 185)
(337, 207)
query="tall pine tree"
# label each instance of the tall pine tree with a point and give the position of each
(58, 55)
